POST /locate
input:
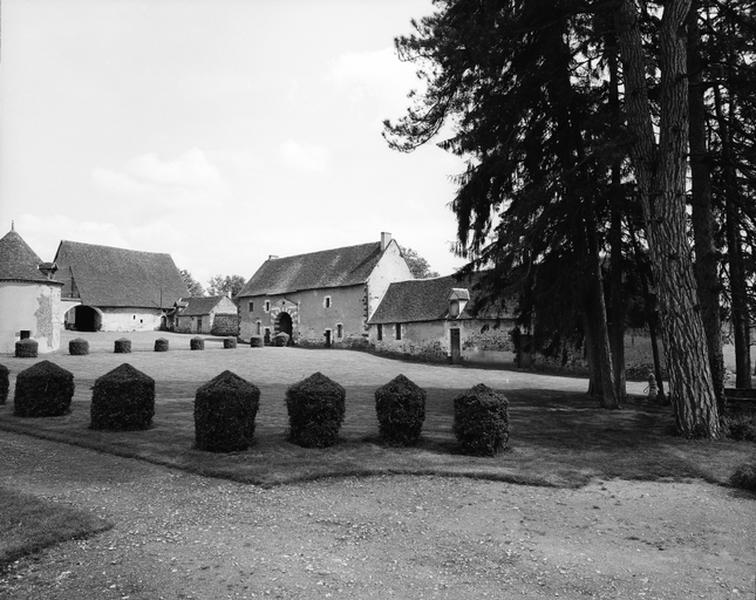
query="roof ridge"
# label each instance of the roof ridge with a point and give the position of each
(376, 243)
(112, 247)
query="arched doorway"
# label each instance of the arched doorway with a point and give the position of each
(284, 323)
(84, 318)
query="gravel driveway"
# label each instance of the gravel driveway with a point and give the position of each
(178, 535)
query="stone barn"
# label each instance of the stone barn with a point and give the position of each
(321, 298)
(443, 319)
(115, 289)
(198, 314)
(29, 297)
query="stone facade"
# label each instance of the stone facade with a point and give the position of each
(32, 308)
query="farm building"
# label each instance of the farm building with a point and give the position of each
(206, 314)
(322, 298)
(29, 297)
(442, 319)
(114, 289)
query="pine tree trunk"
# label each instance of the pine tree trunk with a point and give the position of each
(703, 213)
(660, 174)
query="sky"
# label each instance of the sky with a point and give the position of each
(219, 131)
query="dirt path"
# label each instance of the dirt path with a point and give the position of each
(178, 535)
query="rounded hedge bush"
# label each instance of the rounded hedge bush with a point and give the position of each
(224, 413)
(256, 341)
(123, 400)
(78, 347)
(161, 345)
(229, 342)
(281, 339)
(26, 348)
(481, 421)
(316, 411)
(4, 384)
(197, 343)
(122, 346)
(744, 477)
(43, 390)
(400, 406)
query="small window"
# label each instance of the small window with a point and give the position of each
(267, 306)
(25, 334)
(259, 327)
(327, 302)
(133, 317)
(379, 332)
(339, 331)
(398, 331)
(252, 308)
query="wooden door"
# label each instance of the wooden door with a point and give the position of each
(456, 353)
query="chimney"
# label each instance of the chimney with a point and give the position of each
(385, 239)
(272, 256)
(48, 269)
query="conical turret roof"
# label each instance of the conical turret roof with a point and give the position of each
(18, 262)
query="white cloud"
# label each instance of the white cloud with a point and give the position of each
(304, 157)
(378, 74)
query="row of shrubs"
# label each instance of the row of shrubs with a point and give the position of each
(225, 408)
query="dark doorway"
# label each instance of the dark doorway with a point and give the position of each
(455, 351)
(86, 318)
(327, 335)
(284, 324)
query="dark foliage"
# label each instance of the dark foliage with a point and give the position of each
(740, 427)
(197, 343)
(123, 400)
(281, 339)
(316, 411)
(224, 413)
(400, 406)
(122, 346)
(26, 348)
(229, 342)
(481, 421)
(161, 345)
(78, 347)
(43, 390)
(256, 341)
(225, 324)
(4, 384)
(744, 477)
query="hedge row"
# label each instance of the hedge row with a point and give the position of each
(225, 408)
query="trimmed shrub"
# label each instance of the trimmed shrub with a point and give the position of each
(78, 347)
(197, 343)
(224, 413)
(26, 348)
(43, 390)
(481, 421)
(744, 477)
(741, 427)
(400, 406)
(4, 384)
(281, 339)
(229, 342)
(256, 341)
(122, 346)
(316, 411)
(123, 400)
(161, 345)
(225, 324)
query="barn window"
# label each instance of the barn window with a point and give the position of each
(252, 307)
(259, 327)
(379, 332)
(398, 331)
(327, 302)
(267, 306)
(339, 331)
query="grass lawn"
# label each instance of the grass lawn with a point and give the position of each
(558, 437)
(28, 524)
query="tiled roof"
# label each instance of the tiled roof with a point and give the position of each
(112, 277)
(198, 305)
(428, 300)
(18, 262)
(338, 267)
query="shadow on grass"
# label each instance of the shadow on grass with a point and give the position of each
(557, 439)
(28, 525)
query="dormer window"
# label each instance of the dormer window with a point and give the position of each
(458, 299)
(453, 308)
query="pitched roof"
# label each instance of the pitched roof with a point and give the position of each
(198, 305)
(107, 276)
(18, 262)
(338, 267)
(428, 300)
